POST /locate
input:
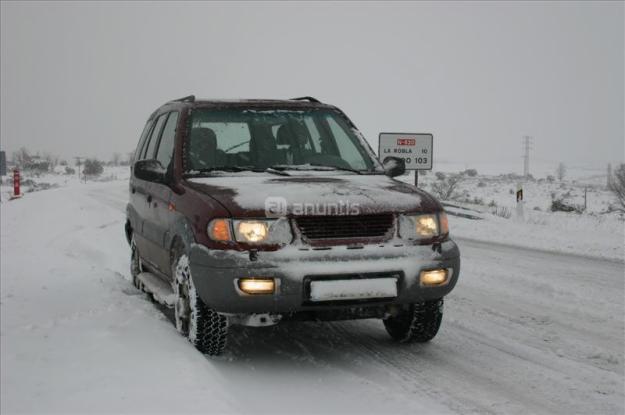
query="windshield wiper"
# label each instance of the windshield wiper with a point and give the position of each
(279, 171)
(198, 172)
(234, 169)
(236, 146)
(337, 168)
(313, 167)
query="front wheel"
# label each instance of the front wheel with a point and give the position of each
(418, 322)
(204, 327)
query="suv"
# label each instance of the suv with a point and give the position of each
(253, 212)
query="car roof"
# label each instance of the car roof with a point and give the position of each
(294, 103)
(263, 102)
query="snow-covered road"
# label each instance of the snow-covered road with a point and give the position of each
(524, 331)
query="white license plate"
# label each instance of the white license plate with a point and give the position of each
(354, 289)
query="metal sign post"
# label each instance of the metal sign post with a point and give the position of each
(415, 149)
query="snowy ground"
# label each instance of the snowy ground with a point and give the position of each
(524, 331)
(596, 232)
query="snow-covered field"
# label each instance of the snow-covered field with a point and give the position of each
(596, 232)
(525, 330)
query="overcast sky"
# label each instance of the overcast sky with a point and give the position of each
(82, 78)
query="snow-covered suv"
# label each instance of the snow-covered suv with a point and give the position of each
(257, 211)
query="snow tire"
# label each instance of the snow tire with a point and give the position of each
(135, 264)
(417, 323)
(206, 329)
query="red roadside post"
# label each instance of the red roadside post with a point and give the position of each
(16, 182)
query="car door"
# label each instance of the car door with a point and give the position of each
(140, 194)
(160, 217)
(136, 202)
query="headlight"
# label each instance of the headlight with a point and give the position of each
(251, 231)
(416, 227)
(255, 231)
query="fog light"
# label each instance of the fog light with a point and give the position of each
(257, 285)
(433, 277)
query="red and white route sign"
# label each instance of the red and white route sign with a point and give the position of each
(415, 149)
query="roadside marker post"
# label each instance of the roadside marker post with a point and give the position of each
(16, 184)
(520, 215)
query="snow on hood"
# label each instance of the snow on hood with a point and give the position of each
(245, 194)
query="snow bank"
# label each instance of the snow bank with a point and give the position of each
(585, 235)
(593, 233)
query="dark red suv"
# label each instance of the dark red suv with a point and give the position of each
(256, 211)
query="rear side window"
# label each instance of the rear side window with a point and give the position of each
(166, 146)
(144, 135)
(156, 132)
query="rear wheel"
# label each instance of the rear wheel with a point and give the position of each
(135, 264)
(204, 327)
(418, 322)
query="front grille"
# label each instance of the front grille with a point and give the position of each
(345, 227)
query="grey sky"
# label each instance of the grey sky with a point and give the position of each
(81, 78)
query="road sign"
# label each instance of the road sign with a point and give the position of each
(415, 149)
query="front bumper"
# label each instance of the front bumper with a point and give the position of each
(215, 273)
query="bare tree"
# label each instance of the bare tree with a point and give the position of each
(52, 161)
(22, 157)
(444, 187)
(93, 167)
(617, 186)
(471, 172)
(561, 171)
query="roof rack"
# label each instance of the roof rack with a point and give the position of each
(307, 98)
(189, 98)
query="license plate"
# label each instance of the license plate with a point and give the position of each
(353, 289)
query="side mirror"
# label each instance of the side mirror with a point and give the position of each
(150, 171)
(394, 166)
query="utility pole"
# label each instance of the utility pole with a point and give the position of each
(527, 145)
(609, 175)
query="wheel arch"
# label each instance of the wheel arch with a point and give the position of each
(128, 231)
(180, 238)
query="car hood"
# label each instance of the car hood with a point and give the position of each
(248, 195)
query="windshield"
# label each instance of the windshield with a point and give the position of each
(237, 139)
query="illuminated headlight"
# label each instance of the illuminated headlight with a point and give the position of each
(251, 231)
(418, 227)
(254, 231)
